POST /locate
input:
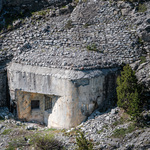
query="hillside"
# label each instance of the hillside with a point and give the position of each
(94, 34)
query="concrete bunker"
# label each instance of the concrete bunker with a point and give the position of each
(58, 97)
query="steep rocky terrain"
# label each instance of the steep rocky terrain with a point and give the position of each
(95, 34)
(109, 130)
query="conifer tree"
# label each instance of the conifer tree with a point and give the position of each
(128, 92)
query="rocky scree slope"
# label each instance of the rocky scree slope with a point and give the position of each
(96, 34)
(107, 130)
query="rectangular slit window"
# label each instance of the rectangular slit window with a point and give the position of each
(48, 103)
(35, 104)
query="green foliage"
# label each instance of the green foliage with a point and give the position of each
(50, 129)
(92, 47)
(46, 142)
(118, 122)
(142, 8)
(100, 131)
(68, 25)
(83, 143)
(120, 133)
(143, 59)
(77, 1)
(7, 131)
(140, 41)
(41, 13)
(10, 148)
(73, 132)
(16, 143)
(132, 0)
(128, 92)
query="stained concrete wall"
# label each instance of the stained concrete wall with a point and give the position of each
(25, 112)
(78, 92)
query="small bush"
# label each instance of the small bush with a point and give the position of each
(10, 148)
(92, 47)
(120, 133)
(41, 13)
(73, 132)
(46, 142)
(142, 8)
(7, 131)
(69, 24)
(83, 143)
(118, 122)
(100, 131)
(132, 0)
(16, 143)
(50, 129)
(129, 92)
(143, 59)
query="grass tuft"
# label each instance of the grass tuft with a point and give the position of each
(142, 8)
(121, 133)
(143, 59)
(7, 131)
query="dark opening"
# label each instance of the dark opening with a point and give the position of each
(35, 104)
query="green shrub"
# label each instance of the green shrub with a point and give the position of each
(46, 142)
(69, 24)
(10, 148)
(100, 131)
(92, 47)
(17, 143)
(143, 59)
(118, 122)
(7, 131)
(120, 133)
(83, 143)
(132, 0)
(142, 8)
(129, 92)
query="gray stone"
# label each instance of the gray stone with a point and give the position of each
(17, 23)
(148, 21)
(114, 111)
(6, 117)
(31, 127)
(1, 126)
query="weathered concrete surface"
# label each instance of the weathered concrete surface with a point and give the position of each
(78, 92)
(24, 106)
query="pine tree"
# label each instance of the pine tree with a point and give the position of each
(128, 92)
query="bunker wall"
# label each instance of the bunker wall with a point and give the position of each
(75, 94)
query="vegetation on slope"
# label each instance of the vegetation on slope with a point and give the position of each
(129, 92)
